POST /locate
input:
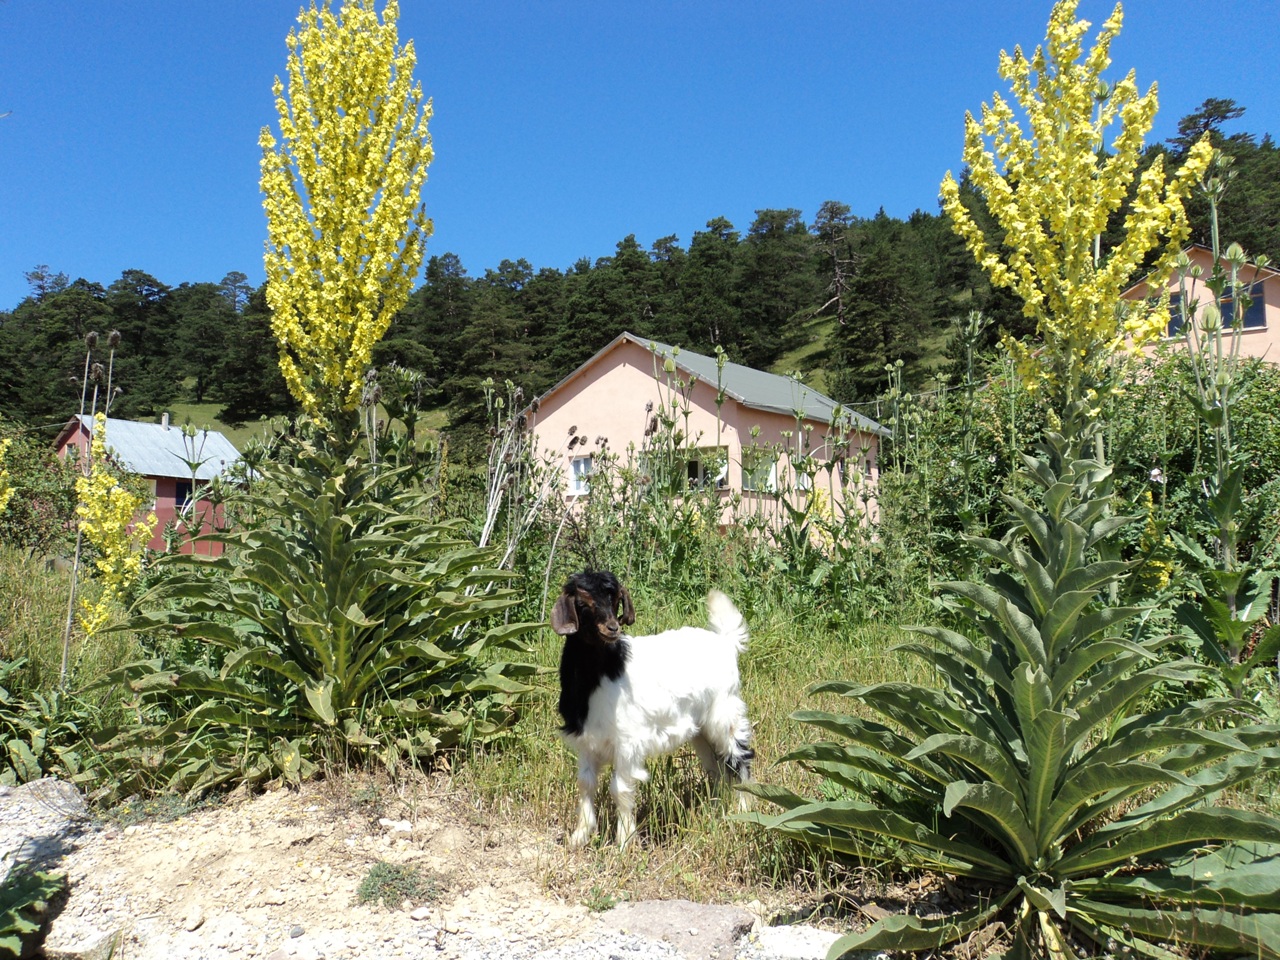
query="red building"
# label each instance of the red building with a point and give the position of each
(176, 464)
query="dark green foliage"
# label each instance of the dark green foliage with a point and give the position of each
(39, 732)
(24, 901)
(339, 625)
(1036, 770)
(39, 516)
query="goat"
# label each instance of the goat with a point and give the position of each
(625, 699)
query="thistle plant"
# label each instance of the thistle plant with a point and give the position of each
(1229, 585)
(1053, 190)
(346, 226)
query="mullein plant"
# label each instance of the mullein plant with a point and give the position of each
(97, 516)
(346, 226)
(110, 520)
(6, 488)
(1084, 815)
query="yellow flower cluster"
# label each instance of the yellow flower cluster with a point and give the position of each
(108, 518)
(1053, 190)
(346, 227)
(6, 489)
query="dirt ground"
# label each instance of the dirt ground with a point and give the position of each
(277, 875)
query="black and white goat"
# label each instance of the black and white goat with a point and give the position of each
(625, 699)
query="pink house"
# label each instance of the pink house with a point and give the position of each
(1260, 334)
(177, 466)
(756, 437)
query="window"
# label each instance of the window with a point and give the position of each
(709, 467)
(181, 494)
(581, 470)
(759, 471)
(1255, 315)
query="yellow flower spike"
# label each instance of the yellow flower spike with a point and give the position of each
(108, 515)
(1053, 193)
(345, 223)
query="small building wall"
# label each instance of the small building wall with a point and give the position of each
(204, 516)
(1262, 341)
(618, 395)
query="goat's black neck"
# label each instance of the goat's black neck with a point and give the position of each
(584, 664)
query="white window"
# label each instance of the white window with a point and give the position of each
(581, 470)
(759, 473)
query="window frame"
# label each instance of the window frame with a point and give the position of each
(580, 479)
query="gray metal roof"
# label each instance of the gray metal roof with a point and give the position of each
(159, 450)
(756, 388)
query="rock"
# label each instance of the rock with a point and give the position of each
(797, 942)
(193, 919)
(420, 913)
(103, 947)
(295, 931)
(699, 931)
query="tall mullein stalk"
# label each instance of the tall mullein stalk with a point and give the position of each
(93, 373)
(1230, 592)
(113, 341)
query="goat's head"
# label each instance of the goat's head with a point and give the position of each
(593, 601)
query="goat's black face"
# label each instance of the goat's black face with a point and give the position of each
(593, 601)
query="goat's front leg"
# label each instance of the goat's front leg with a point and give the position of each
(623, 789)
(588, 780)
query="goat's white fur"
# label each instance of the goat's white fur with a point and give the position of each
(678, 687)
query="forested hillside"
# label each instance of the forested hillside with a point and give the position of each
(834, 297)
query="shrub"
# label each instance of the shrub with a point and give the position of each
(1036, 773)
(337, 623)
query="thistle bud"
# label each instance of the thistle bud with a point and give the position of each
(573, 429)
(96, 372)
(91, 339)
(113, 339)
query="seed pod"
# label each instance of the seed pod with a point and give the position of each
(91, 339)
(113, 339)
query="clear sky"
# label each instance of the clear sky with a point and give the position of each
(560, 126)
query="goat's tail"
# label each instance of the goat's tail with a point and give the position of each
(726, 620)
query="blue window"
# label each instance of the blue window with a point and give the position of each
(1255, 315)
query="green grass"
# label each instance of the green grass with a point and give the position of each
(811, 356)
(204, 416)
(393, 884)
(33, 613)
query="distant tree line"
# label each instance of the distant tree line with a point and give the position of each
(837, 298)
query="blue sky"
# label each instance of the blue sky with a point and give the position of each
(560, 126)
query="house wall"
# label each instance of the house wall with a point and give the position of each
(1262, 342)
(164, 491)
(608, 399)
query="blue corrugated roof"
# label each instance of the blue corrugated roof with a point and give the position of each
(161, 450)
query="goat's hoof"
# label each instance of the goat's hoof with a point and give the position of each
(579, 839)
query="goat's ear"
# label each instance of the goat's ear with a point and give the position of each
(564, 615)
(628, 613)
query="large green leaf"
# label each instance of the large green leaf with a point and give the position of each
(907, 932)
(1254, 934)
(1154, 837)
